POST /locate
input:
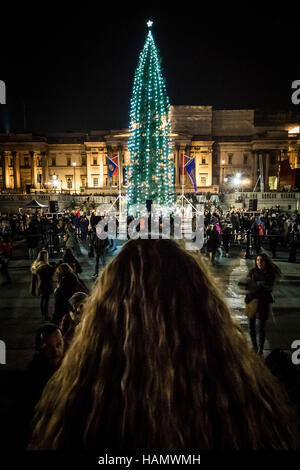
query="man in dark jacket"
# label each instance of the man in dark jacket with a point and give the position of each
(99, 247)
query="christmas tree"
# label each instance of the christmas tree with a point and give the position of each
(151, 170)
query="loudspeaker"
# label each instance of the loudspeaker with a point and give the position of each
(149, 204)
(53, 206)
(253, 205)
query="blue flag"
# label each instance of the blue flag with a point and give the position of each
(190, 168)
(112, 165)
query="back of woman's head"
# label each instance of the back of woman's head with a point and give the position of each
(68, 256)
(158, 362)
(42, 257)
(64, 269)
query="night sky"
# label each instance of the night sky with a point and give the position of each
(74, 70)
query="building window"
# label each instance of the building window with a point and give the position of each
(230, 157)
(95, 161)
(68, 161)
(53, 161)
(69, 183)
(26, 161)
(83, 181)
(83, 160)
(245, 159)
(203, 161)
(95, 182)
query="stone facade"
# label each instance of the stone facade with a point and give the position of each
(224, 143)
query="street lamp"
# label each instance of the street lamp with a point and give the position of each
(74, 165)
(54, 182)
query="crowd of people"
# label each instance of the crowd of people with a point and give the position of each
(266, 229)
(137, 361)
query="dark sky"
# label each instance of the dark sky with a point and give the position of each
(74, 69)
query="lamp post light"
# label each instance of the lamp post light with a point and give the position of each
(74, 165)
(55, 183)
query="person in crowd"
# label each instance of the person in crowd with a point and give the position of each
(145, 367)
(274, 236)
(256, 234)
(259, 286)
(5, 255)
(84, 227)
(73, 317)
(213, 242)
(68, 257)
(99, 249)
(293, 240)
(42, 281)
(67, 285)
(70, 237)
(226, 234)
(33, 236)
(49, 346)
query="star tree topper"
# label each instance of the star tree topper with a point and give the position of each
(149, 23)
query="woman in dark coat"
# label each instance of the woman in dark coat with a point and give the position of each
(69, 258)
(260, 283)
(42, 283)
(67, 285)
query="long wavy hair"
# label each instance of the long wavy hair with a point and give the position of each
(63, 270)
(42, 258)
(270, 266)
(159, 363)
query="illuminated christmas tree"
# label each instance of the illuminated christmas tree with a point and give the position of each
(151, 170)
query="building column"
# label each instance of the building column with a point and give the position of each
(45, 168)
(267, 170)
(6, 169)
(3, 171)
(33, 164)
(17, 175)
(255, 168)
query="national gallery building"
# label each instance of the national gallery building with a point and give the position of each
(224, 143)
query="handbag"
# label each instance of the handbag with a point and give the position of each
(251, 308)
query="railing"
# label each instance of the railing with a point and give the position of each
(270, 195)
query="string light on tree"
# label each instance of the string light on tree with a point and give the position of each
(151, 170)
